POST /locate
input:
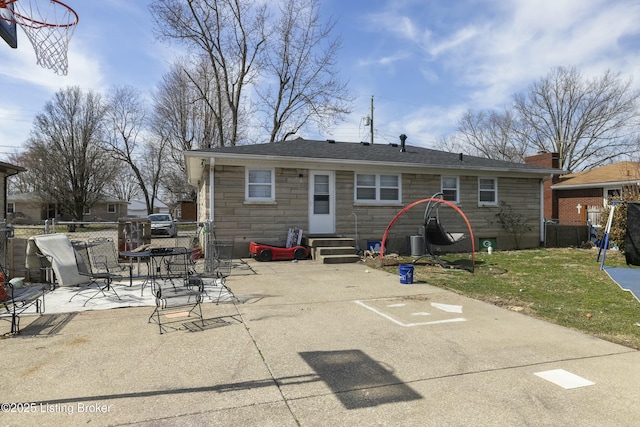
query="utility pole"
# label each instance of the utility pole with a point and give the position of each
(371, 122)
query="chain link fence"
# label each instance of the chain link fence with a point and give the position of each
(128, 234)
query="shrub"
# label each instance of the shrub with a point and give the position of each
(619, 222)
(513, 222)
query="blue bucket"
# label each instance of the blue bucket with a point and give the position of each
(406, 274)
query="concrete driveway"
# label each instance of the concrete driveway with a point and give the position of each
(315, 344)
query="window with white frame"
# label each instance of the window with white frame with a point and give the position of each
(259, 185)
(377, 188)
(11, 207)
(87, 211)
(487, 191)
(450, 188)
(111, 207)
(389, 188)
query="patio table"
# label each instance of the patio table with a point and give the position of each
(155, 257)
(138, 256)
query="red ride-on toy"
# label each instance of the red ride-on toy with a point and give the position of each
(263, 252)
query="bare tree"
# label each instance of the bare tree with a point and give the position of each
(127, 118)
(180, 112)
(588, 122)
(300, 60)
(229, 34)
(125, 187)
(24, 181)
(64, 151)
(153, 158)
(183, 119)
(488, 134)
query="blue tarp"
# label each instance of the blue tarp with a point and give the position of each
(627, 278)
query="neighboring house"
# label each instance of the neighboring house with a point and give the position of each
(7, 170)
(24, 208)
(579, 197)
(29, 208)
(328, 188)
(138, 208)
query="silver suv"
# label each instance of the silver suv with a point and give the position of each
(163, 224)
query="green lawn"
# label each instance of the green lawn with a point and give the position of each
(563, 286)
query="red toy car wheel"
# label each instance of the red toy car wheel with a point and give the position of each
(300, 253)
(265, 255)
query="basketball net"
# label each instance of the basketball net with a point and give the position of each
(49, 25)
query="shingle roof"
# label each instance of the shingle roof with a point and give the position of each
(365, 153)
(602, 176)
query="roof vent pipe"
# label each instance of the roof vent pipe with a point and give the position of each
(403, 138)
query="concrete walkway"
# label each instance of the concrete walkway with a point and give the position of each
(319, 345)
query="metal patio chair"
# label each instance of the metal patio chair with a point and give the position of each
(100, 282)
(222, 264)
(104, 256)
(172, 302)
(19, 299)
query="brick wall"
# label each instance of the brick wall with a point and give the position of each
(568, 200)
(547, 160)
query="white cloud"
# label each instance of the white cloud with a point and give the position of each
(424, 126)
(385, 60)
(500, 48)
(460, 38)
(476, 54)
(85, 69)
(541, 36)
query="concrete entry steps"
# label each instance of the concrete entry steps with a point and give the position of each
(332, 250)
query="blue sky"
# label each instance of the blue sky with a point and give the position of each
(425, 62)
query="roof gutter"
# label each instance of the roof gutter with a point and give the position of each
(593, 185)
(242, 159)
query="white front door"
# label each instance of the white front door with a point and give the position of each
(322, 201)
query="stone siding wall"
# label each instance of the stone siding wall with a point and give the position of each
(268, 222)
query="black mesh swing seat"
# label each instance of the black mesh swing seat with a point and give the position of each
(434, 232)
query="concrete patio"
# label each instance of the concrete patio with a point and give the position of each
(316, 345)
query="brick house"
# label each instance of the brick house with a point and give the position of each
(328, 188)
(547, 160)
(579, 197)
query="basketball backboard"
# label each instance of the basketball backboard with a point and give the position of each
(8, 29)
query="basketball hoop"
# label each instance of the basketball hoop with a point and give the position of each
(49, 25)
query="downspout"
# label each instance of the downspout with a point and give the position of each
(6, 190)
(4, 208)
(211, 192)
(543, 226)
